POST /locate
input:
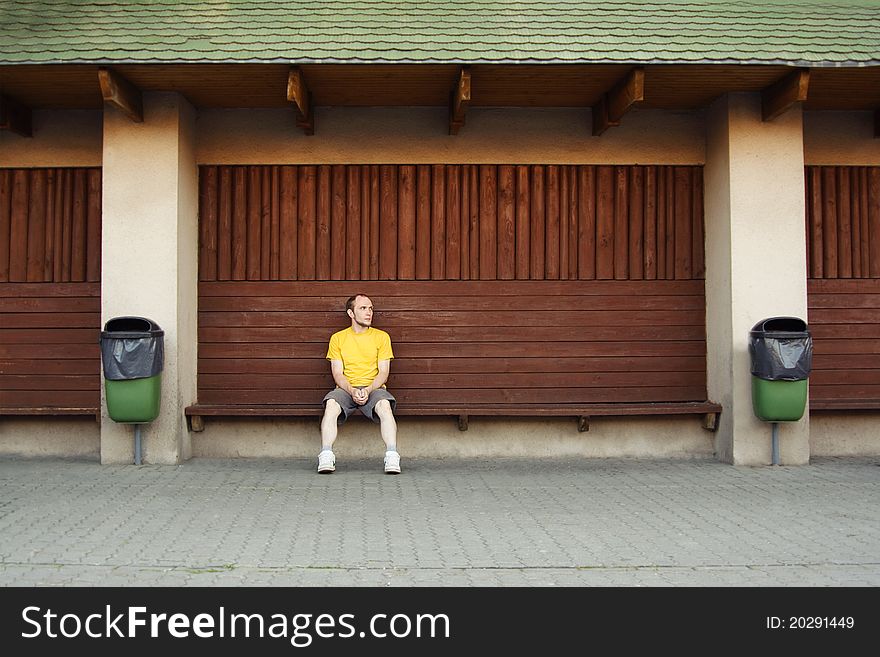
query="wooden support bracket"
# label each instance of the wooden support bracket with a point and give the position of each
(781, 96)
(459, 100)
(583, 423)
(15, 117)
(197, 423)
(710, 421)
(610, 109)
(462, 422)
(121, 93)
(298, 94)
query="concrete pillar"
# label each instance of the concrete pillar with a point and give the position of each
(755, 263)
(149, 259)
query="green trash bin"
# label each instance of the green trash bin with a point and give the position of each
(133, 356)
(781, 350)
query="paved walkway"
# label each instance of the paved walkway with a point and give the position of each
(480, 523)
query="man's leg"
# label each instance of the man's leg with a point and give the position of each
(329, 431)
(388, 431)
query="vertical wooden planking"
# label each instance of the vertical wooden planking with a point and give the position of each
(865, 242)
(573, 223)
(353, 213)
(621, 222)
(474, 219)
(307, 218)
(287, 256)
(366, 214)
(523, 202)
(5, 221)
(874, 219)
(93, 226)
(58, 225)
(464, 220)
(683, 222)
(699, 232)
(670, 222)
(253, 233)
(239, 223)
(563, 221)
(815, 224)
(339, 237)
(488, 222)
(537, 224)
(225, 203)
(388, 223)
(423, 222)
(636, 223)
(661, 222)
(506, 222)
(855, 221)
(374, 221)
(49, 227)
(322, 224)
(844, 224)
(551, 224)
(829, 220)
(650, 223)
(18, 232)
(66, 226)
(453, 222)
(406, 223)
(36, 241)
(605, 193)
(586, 222)
(275, 224)
(207, 223)
(265, 178)
(78, 229)
(438, 222)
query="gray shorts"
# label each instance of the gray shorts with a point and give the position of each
(349, 406)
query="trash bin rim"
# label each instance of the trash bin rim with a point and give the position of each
(153, 332)
(780, 334)
(759, 327)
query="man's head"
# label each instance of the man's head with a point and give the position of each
(360, 309)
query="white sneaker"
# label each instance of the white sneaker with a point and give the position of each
(326, 462)
(392, 463)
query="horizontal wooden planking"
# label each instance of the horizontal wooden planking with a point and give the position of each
(450, 222)
(466, 396)
(462, 341)
(49, 346)
(845, 323)
(457, 364)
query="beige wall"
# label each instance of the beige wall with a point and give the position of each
(60, 139)
(842, 138)
(419, 135)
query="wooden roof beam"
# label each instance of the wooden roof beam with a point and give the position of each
(122, 94)
(610, 109)
(460, 99)
(877, 124)
(298, 94)
(781, 96)
(15, 117)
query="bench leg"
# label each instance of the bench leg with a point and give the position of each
(710, 421)
(196, 423)
(462, 422)
(583, 423)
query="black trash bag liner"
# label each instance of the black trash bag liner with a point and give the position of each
(132, 348)
(781, 349)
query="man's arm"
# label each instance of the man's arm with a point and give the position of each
(381, 377)
(336, 368)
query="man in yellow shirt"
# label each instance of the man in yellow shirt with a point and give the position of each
(360, 360)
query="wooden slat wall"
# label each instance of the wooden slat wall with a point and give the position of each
(451, 222)
(843, 238)
(50, 304)
(50, 225)
(461, 341)
(50, 356)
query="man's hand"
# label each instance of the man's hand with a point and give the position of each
(360, 396)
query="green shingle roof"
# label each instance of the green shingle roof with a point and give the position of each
(798, 32)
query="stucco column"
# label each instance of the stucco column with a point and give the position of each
(149, 259)
(755, 263)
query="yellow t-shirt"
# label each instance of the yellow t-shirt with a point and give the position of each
(360, 353)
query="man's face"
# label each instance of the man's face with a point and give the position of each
(362, 312)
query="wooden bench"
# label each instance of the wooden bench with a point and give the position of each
(708, 411)
(51, 410)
